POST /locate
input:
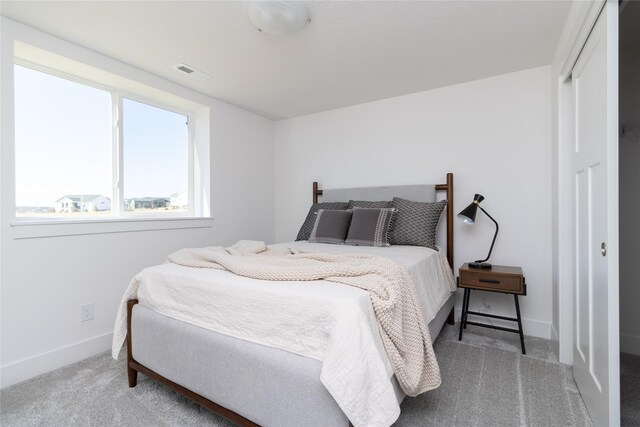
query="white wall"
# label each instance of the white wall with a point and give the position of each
(629, 199)
(493, 134)
(44, 281)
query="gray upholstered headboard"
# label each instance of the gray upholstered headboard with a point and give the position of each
(417, 193)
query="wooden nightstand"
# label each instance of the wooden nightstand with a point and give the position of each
(508, 280)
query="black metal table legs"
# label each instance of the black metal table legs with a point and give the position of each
(465, 312)
(465, 308)
(519, 324)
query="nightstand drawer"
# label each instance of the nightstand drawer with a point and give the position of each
(498, 279)
(491, 282)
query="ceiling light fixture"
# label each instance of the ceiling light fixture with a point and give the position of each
(279, 17)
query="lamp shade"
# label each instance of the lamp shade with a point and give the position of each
(468, 214)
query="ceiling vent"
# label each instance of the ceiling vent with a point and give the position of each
(187, 69)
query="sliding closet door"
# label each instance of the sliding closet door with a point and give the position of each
(595, 169)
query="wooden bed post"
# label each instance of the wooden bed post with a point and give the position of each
(448, 187)
(316, 192)
(451, 319)
(450, 219)
(132, 374)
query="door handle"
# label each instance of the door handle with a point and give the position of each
(603, 249)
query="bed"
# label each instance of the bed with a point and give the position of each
(253, 381)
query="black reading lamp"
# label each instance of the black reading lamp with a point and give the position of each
(468, 215)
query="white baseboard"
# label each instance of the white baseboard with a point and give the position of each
(30, 367)
(554, 333)
(630, 344)
(531, 327)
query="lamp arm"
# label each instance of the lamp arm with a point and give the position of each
(494, 236)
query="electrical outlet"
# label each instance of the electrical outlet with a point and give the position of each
(86, 312)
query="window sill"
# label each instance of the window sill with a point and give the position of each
(34, 229)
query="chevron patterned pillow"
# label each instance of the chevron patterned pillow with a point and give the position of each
(416, 223)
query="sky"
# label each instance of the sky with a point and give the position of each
(64, 143)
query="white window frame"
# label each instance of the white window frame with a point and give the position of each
(117, 121)
(119, 147)
(120, 220)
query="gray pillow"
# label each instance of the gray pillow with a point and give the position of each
(370, 227)
(330, 226)
(416, 223)
(368, 204)
(307, 226)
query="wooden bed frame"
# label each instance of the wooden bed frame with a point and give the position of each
(134, 367)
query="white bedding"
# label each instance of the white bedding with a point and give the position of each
(429, 269)
(316, 319)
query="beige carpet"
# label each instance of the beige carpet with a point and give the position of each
(486, 382)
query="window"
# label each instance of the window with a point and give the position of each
(156, 159)
(63, 147)
(74, 160)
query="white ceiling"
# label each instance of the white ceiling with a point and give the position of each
(351, 52)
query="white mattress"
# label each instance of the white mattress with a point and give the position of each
(326, 321)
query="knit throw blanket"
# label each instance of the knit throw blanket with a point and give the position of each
(404, 333)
